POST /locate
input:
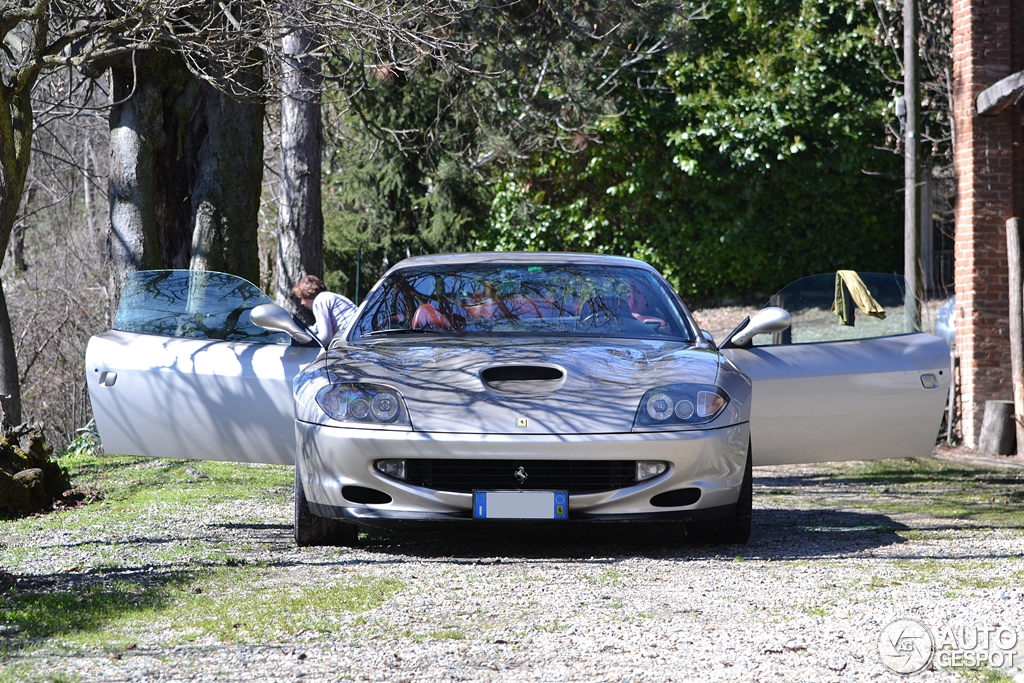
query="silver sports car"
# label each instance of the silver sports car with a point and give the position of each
(529, 386)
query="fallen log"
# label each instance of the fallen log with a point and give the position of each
(30, 480)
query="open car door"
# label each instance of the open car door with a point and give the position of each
(844, 385)
(186, 374)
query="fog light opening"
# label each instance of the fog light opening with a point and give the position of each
(649, 469)
(392, 468)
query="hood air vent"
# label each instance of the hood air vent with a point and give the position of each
(523, 379)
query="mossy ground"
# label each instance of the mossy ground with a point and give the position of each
(119, 581)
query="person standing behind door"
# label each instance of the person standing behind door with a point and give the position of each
(332, 312)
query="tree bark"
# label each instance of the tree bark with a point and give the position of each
(17, 243)
(1016, 320)
(300, 233)
(16, 128)
(9, 381)
(136, 133)
(226, 197)
(185, 174)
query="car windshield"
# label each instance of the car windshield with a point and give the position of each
(509, 299)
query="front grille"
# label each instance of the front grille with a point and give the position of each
(576, 476)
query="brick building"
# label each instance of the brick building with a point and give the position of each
(989, 166)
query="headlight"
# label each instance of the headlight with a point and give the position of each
(680, 404)
(367, 404)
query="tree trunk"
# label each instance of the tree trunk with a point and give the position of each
(185, 174)
(16, 128)
(9, 381)
(300, 233)
(226, 196)
(1016, 325)
(17, 244)
(136, 136)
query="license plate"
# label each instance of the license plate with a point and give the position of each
(520, 505)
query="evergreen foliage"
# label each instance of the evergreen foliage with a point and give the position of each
(395, 183)
(412, 153)
(745, 157)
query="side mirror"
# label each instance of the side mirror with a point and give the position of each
(707, 337)
(768, 320)
(273, 317)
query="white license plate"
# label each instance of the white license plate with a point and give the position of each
(520, 505)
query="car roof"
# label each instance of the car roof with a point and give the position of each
(520, 257)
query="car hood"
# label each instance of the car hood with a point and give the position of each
(512, 386)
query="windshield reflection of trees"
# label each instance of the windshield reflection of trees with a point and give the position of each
(516, 299)
(195, 304)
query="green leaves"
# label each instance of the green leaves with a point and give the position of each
(752, 160)
(744, 157)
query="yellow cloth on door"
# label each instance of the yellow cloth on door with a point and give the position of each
(850, 291)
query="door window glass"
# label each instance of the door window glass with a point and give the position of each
(841, 306)
(193, 303)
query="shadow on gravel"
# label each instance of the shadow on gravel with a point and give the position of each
(966, 498)
(43, 606)
(232, 525)
(777, 534)
(982, 481)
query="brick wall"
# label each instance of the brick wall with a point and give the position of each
(986, 47)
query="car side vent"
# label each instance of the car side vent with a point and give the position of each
(523, 379)
(677, 498)
(364, 496)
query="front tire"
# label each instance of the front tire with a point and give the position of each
(734, 530)
(312, 530)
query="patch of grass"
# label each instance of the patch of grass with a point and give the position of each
(925, 535)
(158, 488)
(610, 577)
(879, 582)
(447, 634)
(553, 627)
(108, 592)
(141, 479)
(268, 612)
(985, 675)
(227, 603)
(67, 610)
(815, 611)
(29, 673)
(936, 488)
(953, 574)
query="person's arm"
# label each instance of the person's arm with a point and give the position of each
(325, 326)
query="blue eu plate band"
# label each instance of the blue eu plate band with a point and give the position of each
(558, 502)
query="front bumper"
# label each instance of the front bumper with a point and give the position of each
(330, 458)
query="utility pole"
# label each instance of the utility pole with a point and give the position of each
(911, 146)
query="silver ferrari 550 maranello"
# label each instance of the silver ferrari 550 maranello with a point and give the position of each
(518, 386)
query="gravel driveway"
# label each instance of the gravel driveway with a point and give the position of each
(177, 576)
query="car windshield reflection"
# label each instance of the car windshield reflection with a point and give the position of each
(516, 299)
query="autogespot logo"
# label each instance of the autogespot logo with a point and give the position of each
(905, 646)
